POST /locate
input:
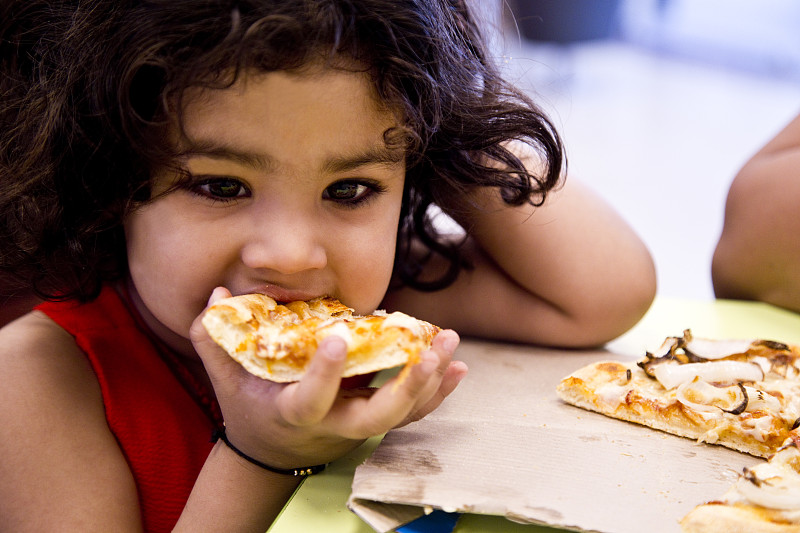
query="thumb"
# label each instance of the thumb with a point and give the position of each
(214, 358)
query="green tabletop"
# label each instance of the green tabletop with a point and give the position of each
(319, 504)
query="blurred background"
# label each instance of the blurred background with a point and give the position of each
(660, 102)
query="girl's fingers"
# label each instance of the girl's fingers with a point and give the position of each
(214, 358)
(444, 345)
(361, 418)
(309, 400)
(456, 371)
(426, 385)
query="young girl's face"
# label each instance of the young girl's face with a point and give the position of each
(293, 192)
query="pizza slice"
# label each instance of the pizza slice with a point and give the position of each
(765, 499)
(741, 394)
(277, 341)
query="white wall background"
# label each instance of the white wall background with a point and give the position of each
(659, 117)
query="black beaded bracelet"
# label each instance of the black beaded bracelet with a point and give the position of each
(219, 434)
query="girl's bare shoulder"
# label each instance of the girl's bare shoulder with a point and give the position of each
(62, 467)
(38, 355)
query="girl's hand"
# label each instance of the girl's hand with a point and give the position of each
(313, 421)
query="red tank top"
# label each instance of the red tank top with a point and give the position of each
(161, 426)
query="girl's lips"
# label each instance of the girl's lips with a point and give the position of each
(282, 294)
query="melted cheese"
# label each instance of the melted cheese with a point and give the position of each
(757, 427)
(402, 320)
(612, 394)
(773, 485)
(707, 399)
(341, 330)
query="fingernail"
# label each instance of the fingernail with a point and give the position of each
(216, 294)
(450, 343)
(336, 348)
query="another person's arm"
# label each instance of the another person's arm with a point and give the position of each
(758, 253)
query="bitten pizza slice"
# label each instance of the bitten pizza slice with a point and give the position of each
(277, 341)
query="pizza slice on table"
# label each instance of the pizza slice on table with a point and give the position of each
(741, 394)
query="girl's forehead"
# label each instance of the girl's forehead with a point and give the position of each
(262, 87)
(268, 90)
(275, 112)
(319, 67)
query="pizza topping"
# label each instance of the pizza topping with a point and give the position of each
(672, 375)
(762, 401)
(709, 349)
(667, 348)
(774, 345)
(708, 399)
(742, 405)
(612, 394)
(402, 320)
(758, 427)
(341, 330)
(773, 485)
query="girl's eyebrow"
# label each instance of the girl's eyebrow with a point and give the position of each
(374, 155)
(213, 150)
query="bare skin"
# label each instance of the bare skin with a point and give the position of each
(335, 207)
(758, 254)
(576, 275)
(294, 195)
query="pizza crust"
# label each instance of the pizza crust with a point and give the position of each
(277, 342)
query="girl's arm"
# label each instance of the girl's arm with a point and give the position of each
(758, 254)
(305, 423)
(569, 273)
(61, 468)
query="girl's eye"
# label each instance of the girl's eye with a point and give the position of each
(345, 190)
(351, 192)
(222, 189)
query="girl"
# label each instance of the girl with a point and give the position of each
(160, 152)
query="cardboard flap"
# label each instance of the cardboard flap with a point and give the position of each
(504, 444)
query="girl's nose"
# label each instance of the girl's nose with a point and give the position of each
(287, 244)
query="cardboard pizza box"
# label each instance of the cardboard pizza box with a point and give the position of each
(504, 444)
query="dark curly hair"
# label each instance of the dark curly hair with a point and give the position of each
(85, 92)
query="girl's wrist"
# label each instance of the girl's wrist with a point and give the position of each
(219, 435)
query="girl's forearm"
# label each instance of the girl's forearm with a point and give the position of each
(231, 494)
